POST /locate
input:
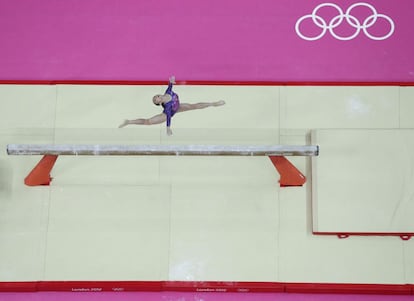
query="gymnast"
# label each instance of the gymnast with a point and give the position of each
(171, 104)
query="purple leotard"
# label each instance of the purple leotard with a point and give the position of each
(171, 107)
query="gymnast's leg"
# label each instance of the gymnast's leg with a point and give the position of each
(157, 119)
(200, 105)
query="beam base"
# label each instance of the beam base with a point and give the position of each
(289, 174)
(40, 174)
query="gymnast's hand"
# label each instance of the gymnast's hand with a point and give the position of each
(172, 79)
(169, 131)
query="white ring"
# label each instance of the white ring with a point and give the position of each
(380, 38)
(374, 13)
(315, 10)
(358, 29)
(324, 29)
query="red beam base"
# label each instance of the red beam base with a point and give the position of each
(40, 174)
(289, 174)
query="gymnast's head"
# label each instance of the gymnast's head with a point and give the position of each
(157, 99)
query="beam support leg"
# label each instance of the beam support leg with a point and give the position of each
(40, 174)
(289, 174)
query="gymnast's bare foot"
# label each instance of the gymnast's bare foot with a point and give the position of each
(125, 123)
(219, 103)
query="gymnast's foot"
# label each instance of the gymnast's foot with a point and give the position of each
(219, 103)
(125, 123)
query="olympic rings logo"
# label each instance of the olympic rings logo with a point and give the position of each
(349, 18)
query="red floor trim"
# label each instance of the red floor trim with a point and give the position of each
(210, 286)
(199, 82)
(100, 286)
(18, 287)
(338, 288)
(402, 235)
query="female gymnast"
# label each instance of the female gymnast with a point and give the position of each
(171, 104)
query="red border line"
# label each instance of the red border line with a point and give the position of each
(210, 286)
(340, 288)
(402, 235)
(214, 286)
(199, 82)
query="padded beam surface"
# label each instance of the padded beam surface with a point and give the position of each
(161, 150)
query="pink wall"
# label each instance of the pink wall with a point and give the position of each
(215, 40)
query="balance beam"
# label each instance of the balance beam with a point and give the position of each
(40, 175)
(161, 150)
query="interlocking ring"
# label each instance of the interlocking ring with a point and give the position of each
(349, 18)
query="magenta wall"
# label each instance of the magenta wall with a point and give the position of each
(217, 40)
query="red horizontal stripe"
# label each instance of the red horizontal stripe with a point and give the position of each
(339, 288)
(18, 286)
(402, 235)
(216, 83)
(99, 286)
(210, 286)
